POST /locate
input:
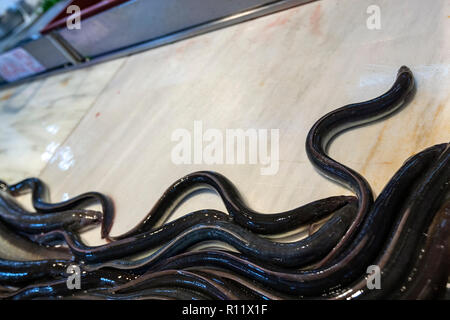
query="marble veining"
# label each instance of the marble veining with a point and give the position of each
(280, 71)
(37, 117)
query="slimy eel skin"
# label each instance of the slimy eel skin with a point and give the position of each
(405, 232)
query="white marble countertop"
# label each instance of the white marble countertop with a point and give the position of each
(108, 128)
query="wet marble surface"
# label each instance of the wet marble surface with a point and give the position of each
(37, 117)
(282, 72)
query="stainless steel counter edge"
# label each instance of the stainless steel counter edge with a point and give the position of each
(167, 39)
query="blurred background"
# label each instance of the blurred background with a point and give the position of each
(41, 37)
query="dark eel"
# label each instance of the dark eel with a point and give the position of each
(114, 283)
(428, 277)
(248, 289)
(14, 247)
(339, 120)
(13, 214)
(214, 225)
(175, 284)
(427, 280)
(158, 293)
(55, 288)
(178, 278)
(349, 266)
(401, 247)
(242, 215)
(387, 233)
(40, 197)
(403, 84)
(263, 223)
(22, 261)
(24, 272)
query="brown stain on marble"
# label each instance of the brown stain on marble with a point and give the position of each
(283, 19)
(315, 19)
(424, 126)
(65, 82)
(6, 96)
(438, 112)
(185, 46)
(437, 127)
(279, 21)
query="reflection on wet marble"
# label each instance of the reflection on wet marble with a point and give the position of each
(37, 117)
(282, 71)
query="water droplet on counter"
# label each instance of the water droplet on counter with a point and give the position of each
(53, 128)
(49, 151)
(66, 158)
